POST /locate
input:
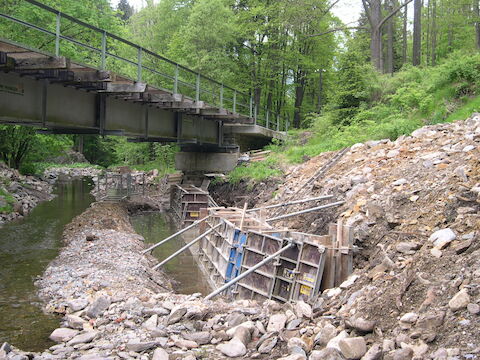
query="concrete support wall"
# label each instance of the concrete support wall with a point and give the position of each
(206, 161)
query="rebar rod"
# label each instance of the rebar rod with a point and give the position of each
(163, 262)
(175, 235)
(306, 211)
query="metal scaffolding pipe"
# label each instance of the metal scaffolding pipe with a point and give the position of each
(175, 235)
(185, 247)
(324, 197)
(306, 211)
(249, 271)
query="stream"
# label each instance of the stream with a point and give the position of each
(26, 247)
(188, 278)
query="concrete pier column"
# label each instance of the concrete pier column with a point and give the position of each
(206, 161)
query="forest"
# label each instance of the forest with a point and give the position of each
(402, 65)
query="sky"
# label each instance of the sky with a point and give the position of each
(347, 10)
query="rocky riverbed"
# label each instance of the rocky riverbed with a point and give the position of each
(19, 194)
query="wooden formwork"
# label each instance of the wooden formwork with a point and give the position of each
(186, 203)
(243, 240)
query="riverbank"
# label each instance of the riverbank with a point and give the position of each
(19, 194)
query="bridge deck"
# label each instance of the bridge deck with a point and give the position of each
(165, 102)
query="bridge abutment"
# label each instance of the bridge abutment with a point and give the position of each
(206, 161)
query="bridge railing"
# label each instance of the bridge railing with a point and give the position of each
(64, 35)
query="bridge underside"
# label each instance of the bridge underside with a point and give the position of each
(62, 97)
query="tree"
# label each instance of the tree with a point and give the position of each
(417, 32)
(126, 10)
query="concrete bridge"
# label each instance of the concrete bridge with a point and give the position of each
(111, 86)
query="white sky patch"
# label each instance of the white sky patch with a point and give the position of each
(347, 10)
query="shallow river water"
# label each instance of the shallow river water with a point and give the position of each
(183, 268)
(26, 248)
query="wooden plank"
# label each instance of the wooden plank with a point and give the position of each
(329, 272)
(137, 87)
(41, 63)
(338, 256)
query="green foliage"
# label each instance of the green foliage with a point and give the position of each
(257, 171)
(9, 199)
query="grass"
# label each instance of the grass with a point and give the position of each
(412, 98)
(7, 209)
(257, 171)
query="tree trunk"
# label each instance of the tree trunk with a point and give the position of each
(299, 93)
(434, 32)
(389, 62)
(417, 32)
(376, 34)
(405, 22)
(320, 92)
(476, 10)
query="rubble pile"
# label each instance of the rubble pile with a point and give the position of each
(53, 174)
(19, 194)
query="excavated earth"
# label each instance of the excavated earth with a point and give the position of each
(415, 292)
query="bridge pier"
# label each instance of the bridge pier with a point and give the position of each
(206, 161)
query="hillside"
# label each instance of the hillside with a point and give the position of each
(414, 205)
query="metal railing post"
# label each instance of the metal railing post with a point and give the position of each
(221, 96)
(104, 50)
(197, 89)
(234, 101)
(175, 83)
(139, 70)
(251, 106)
(57, 35)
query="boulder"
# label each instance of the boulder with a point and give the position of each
(98, 306)
(139, 346)
(442, 238)
(233, 348)
(276, 322)
(160, 354)
(459, 301)
(353, 348)
(83, 338)
(62, 334)
(326, 354)
(176, 315)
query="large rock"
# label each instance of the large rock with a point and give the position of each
(75, 322)
(442, 238)
(276, 322)
(268, 345)
(326, 354)
(362, 325)
(200, 337)
(151, 323)
(138, 346)
(83, 338)
(327, 333)
(160, 354)
(335, 342)
(233, 348)
(97, 308)
(459, 301)
(77, 304)
(176, 315)
(302, 309)
(62, 334)
(374, 353)
(353, 348)
(235, 318)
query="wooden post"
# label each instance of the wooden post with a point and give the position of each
(243, 215)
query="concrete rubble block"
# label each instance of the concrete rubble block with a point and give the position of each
(233, 348)
(353, 348)
(277, 322)
(62, 334)
(98, 306)
(460, 300)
